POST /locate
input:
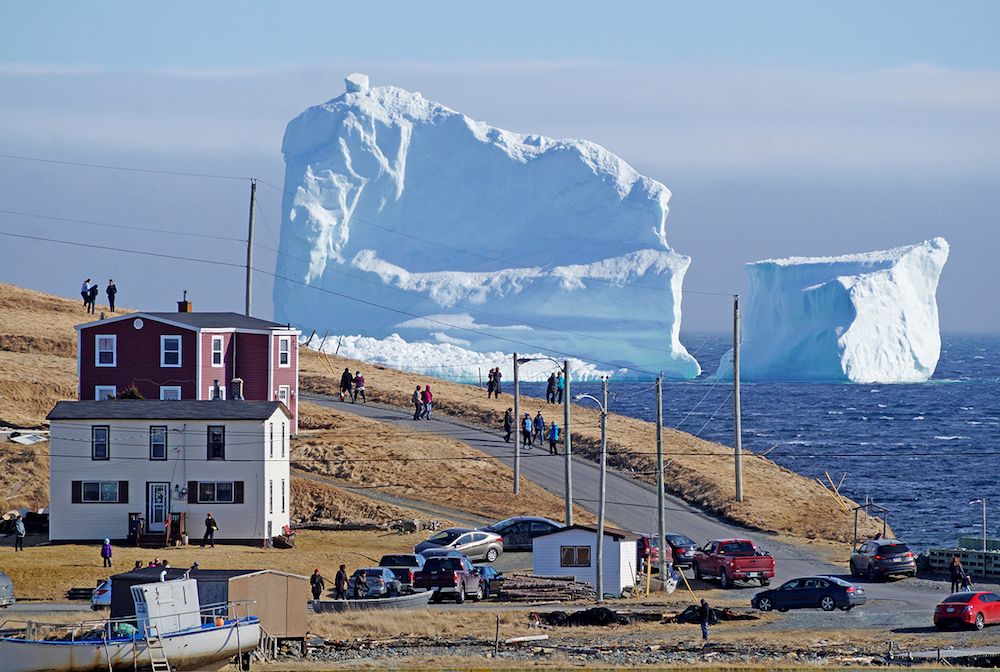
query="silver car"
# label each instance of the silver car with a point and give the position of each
(6, 590)
(476, 544)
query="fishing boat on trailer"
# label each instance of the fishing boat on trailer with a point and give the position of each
(171, 631)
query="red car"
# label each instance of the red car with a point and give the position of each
(975, 609)
(733, 560)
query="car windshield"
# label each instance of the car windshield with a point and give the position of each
(737, 548)
(679, 540)
(893, 549)
(960, 598)
(445, 537)
(398, 561)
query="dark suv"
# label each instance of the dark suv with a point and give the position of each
(518, 532)
(879, 558)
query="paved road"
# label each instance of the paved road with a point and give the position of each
(632, 505)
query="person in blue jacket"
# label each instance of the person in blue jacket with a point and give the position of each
(539, 427)
(560, 387)
(553, 438)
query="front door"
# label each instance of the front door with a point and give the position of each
(157, 506)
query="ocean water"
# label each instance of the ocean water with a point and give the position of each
(921, 450)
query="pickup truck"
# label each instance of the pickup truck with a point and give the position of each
(733, 560)
(451, 576)
(405, 566)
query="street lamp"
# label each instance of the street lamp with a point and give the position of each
(983, 502)
(599, 565)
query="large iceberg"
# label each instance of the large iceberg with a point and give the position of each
(863, 318)
(474, 235)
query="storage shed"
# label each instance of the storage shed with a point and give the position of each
(572, 551)
(280, 597)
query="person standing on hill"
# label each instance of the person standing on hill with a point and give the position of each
(550, 390)
(85, 293)
(497, 390)
(94, 291)
(340, 584)
(19, 533)
(526, 428)
(491, 384)
(553, 438)
(427, 398)
(106, 552)
(359, 388)
(560, 387)
(418, 404)
(346, 381)
(111, 291)
(316, 583)
(508, 424)
(957, 572)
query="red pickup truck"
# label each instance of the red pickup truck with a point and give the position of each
(733, 560)
(449, 575)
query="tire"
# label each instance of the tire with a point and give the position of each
(697, 572)
(847, 608)
(725, 580)
(478, 597)
(872, 574)
(827, 603)
(460, 595)
(436, 597)
(765, 604)
(854, 572)
(492, 555)
(980, 622)
(765, 582)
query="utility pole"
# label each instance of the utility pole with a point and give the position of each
(601, 494)
(517, 429)
(737, 424)
(662, 515)
(567, 446)
(249, 287)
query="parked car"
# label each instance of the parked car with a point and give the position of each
(435, 552)
(379, 582)
(683, 549)
(455, 577)
(974, 609)
(878, 558)
(101, 597)
(474, 544)
(6, 591)
(732, 560)
(811, 592)
(518, 531)
(490, 578)
(403, 566)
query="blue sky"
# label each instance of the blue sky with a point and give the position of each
(781, 127)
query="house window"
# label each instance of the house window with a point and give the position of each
(107, 350)
(104, 492)
(282, 439)
(283, 394)
(215, 492)
(270, 496)
(217, 351)
(105, 392)
(170, 351)
(216, 442)
(272, 440)
(574, 556)
(158, 442)
(282, 495)
(284, 351)
(100, 444)
(170, 392)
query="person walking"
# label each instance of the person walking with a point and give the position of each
(346, 381)
(526, 427)
(94, 291)
(316, 583)
(111, 290)
(340, 584)
(211, 527)
(427, 398)
(539, 427)
(550, 390)
(491, 384)
(418, 404)
(85, 293)
(705, 612)
(508, 424)
(560, 387)
(106, 552)
(359, 388)
(19, 533)
(957, 572)
(553, 438)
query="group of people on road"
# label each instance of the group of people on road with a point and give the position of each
(352, 386)
(493, 386)
(960, 579)
(90, 291)
(317, 584)
(555, 388)
(531, 430)
(422, 402)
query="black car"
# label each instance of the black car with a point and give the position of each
(490, 578)
(518, 531)
(682, 548)
(879, 558)
(811, 592)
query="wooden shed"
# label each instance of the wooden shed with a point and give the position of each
(281, 598)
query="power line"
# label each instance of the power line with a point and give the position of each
(118, 226)
(151, 171)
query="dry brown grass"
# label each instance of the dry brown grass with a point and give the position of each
(698, 471)
(342, 506)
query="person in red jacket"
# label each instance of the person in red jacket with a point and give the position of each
(426, 397)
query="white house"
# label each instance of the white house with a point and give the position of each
(109, 459)
(572, 551)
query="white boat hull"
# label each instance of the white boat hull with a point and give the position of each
(205, 648)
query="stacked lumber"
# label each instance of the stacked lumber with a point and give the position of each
(532, 588)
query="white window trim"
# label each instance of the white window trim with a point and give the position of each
(215, 497)
(222, 351)
(97, 350)
(180, 350)
(270, 496)
(99, 388)
(288, 341)
(287, 389)
(100, 489)
(282, 495)
(165, 388)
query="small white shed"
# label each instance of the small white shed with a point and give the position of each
(572, 551)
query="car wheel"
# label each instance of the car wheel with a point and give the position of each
(478, 597)
(724, 578)
(980, 622)
(827, 603)
(765, 582)
(460, 595)
(697, 571)
(436, 597)
(492, 555)
(913, 574)
(764, 604)
(872, 574)
(854, 572)
(847, 608)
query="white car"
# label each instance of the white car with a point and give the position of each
(101, 597)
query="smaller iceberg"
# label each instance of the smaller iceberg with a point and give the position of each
(861, 318)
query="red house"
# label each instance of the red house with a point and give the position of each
(183, 355)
